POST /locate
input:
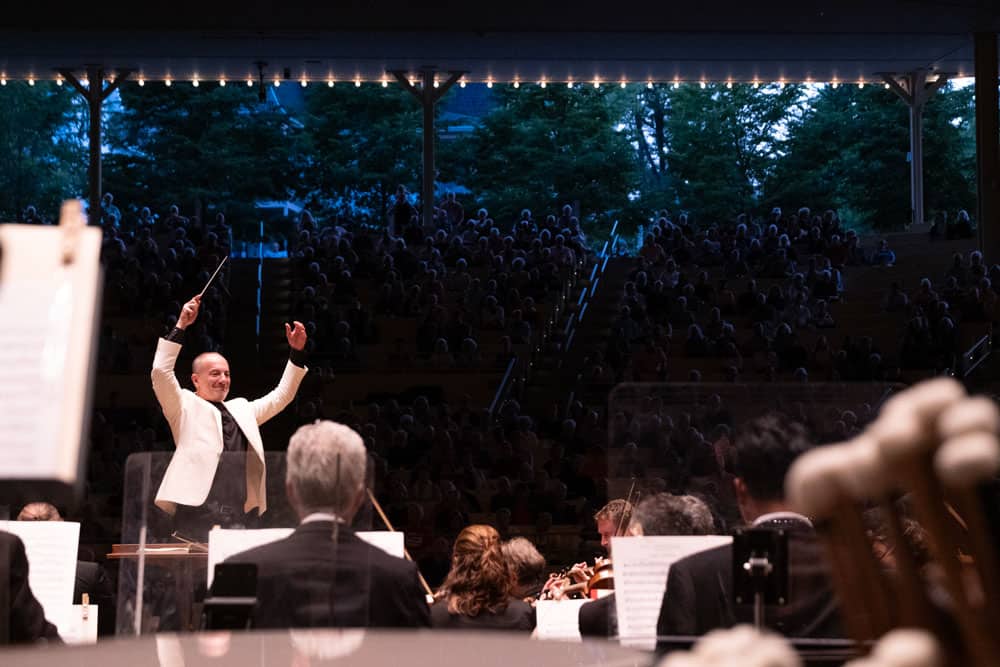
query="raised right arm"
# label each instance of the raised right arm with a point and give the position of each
(165, 384)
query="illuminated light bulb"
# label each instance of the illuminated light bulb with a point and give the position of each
(781, 84)
(59, 81)
(329, 83)
(649, 84)
(756, 84)
(304, 82)
(597, 83)
(277, 83)
(461, 84)
(623, 84)
(249, 82)
(194, 82)
(516, 84)
(357, 83)
(167, 82)
(703, 85)
(436, 84)
(222, 82)
(542, 83)
(31, 80)
(887, 86)
(861, 84)
(834, 85)
(3, 81)
(569, 84)
(729, 85)
(413, 82)
(385, 84)
(677, 84)
(489, 83)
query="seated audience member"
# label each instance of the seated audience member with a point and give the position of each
(699, 595)
(323, 574)
(662, 514)
(22, 619)
(527, 566)
(478, 593)
(90, 577)
(884, 256)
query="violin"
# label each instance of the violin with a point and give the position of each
(582, 581)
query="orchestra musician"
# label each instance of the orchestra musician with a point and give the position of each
(478, 593)
(527, 566)
(323, 574)
(612, 521)
(217, 474)
(660, 514)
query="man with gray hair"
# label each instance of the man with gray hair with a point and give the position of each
(323, 574)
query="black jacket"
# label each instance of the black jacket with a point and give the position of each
(22, 618)
(305, 580)
(518, 615)
(699, 595)
(598, 618)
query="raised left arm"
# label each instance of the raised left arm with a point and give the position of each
(277, 399)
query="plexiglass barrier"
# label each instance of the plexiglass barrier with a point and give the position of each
(165, 560)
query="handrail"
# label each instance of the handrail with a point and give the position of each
(972, 358)
(498, 396)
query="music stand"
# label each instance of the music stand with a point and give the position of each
(760, 569)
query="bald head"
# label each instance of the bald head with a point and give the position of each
(210, 376)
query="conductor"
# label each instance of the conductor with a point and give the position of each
(217, 474)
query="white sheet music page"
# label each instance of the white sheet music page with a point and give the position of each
(49, 315)
(51, 548)
(641, 565)
(559, 619)
(34, 341)
(223, 542)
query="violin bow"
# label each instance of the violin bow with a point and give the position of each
(628, 503)
(388, 524)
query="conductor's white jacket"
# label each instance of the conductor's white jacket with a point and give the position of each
(196, 425)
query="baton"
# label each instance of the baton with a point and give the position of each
(218, 268)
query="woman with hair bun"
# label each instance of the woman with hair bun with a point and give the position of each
(478, 593)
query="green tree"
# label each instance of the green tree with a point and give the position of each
(950, 151)
(542, 147)
(199, 147)
(42, 148)
(847, 151)
(364, 143)
(724, 145)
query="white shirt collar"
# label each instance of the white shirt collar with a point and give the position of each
(322, 516)
(781, 517)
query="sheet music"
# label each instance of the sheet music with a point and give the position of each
(49, 311)
(641, 565)
(80, 630)
(223, 543)
(559, 619)
(51, 548)
(33, 347)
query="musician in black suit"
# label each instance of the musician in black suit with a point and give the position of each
(22, 618)
(660, 514)
(323, 575)
(699, 595)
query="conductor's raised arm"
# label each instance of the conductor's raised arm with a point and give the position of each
(277, 399)
(165, 384)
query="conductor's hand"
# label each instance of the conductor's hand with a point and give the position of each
(296, 336)
(189, 313)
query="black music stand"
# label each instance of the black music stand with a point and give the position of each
(760, 569)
